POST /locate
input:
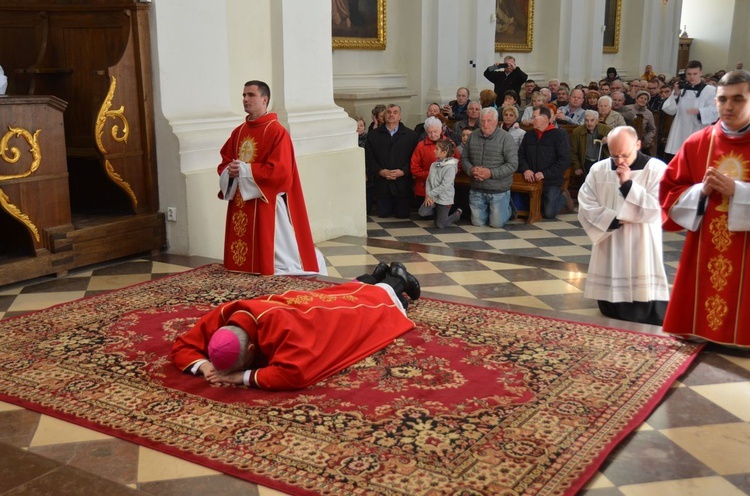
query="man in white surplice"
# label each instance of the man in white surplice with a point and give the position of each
(620, 211)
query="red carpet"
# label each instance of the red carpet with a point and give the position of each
(473, 401)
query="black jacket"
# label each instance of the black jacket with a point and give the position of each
(383, 151)
(549, 155)
(504, 82)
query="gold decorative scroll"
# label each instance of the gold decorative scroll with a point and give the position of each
(120, 182)
(105, 113)
(36, 153)
(16, 212)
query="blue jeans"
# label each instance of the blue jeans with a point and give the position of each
(552, 202)
(494, 207)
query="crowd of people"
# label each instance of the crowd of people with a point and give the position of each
(625, 202)
(612, 139)
(398, 159)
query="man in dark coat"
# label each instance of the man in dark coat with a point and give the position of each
(544, 155)
(505, 76)
(388, 154)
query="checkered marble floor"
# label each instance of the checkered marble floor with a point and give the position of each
(561, 239)
(697, 442)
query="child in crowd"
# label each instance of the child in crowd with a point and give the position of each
(439, 188)
(361, 130)
(465, 133)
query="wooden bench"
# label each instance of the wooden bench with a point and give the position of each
(520, 185)
(534, 190)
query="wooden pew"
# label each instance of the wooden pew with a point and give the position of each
(520, 185)
(534, 190)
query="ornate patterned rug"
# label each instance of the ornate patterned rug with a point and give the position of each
(472, 401)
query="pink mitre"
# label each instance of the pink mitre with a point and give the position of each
(223, 349)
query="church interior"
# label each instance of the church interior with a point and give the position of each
(139, 96)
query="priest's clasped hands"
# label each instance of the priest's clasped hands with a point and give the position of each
(715, 181)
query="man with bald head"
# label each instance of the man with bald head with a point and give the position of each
(619, 209)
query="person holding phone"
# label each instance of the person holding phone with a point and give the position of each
(505, 75)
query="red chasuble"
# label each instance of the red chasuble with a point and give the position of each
(249, 236)
(710, 297)
(303, 336)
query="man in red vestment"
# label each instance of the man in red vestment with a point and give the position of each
(295, 339)
(706, 190)
(267, 230)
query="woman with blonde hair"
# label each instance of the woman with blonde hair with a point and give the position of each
(510, 123)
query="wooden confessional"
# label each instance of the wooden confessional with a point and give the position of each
(78, 178)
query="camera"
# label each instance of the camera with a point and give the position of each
(681, 83)
(503, 65)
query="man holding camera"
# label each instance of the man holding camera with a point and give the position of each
(692, 105)
(511, 77)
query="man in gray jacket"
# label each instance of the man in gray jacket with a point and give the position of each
(489, 158)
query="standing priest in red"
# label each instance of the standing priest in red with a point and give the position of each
(295, 339)
(706, 190)
(267, 230)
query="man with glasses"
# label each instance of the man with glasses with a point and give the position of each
(618, 207)
(706, 191)
(655, 101)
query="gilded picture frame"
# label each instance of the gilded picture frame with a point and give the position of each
(358, 24)
(612, 17)
(514, 25)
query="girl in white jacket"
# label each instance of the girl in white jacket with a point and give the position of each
(440, 188)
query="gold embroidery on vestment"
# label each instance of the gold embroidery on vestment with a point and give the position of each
(735, 166)
(246, 152)
(716, 310)
(299, 300)
(720, 268)
(239, 252)
(720, 235)
(239, 223)
(238, 201)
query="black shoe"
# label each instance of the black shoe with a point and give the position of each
(411, 285)
(381, 271)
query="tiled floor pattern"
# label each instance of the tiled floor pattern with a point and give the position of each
(697, 442)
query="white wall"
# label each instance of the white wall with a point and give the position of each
(711, 30)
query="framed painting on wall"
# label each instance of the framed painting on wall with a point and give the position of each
(514, 25)
(358, 24)
(612, 16)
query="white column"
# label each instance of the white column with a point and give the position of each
(581, 36)
(195, 110)
(331, 165)
(482, 48)
(739, 48)
(661, 25)
(441, 44)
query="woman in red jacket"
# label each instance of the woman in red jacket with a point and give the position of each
(424, 155)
